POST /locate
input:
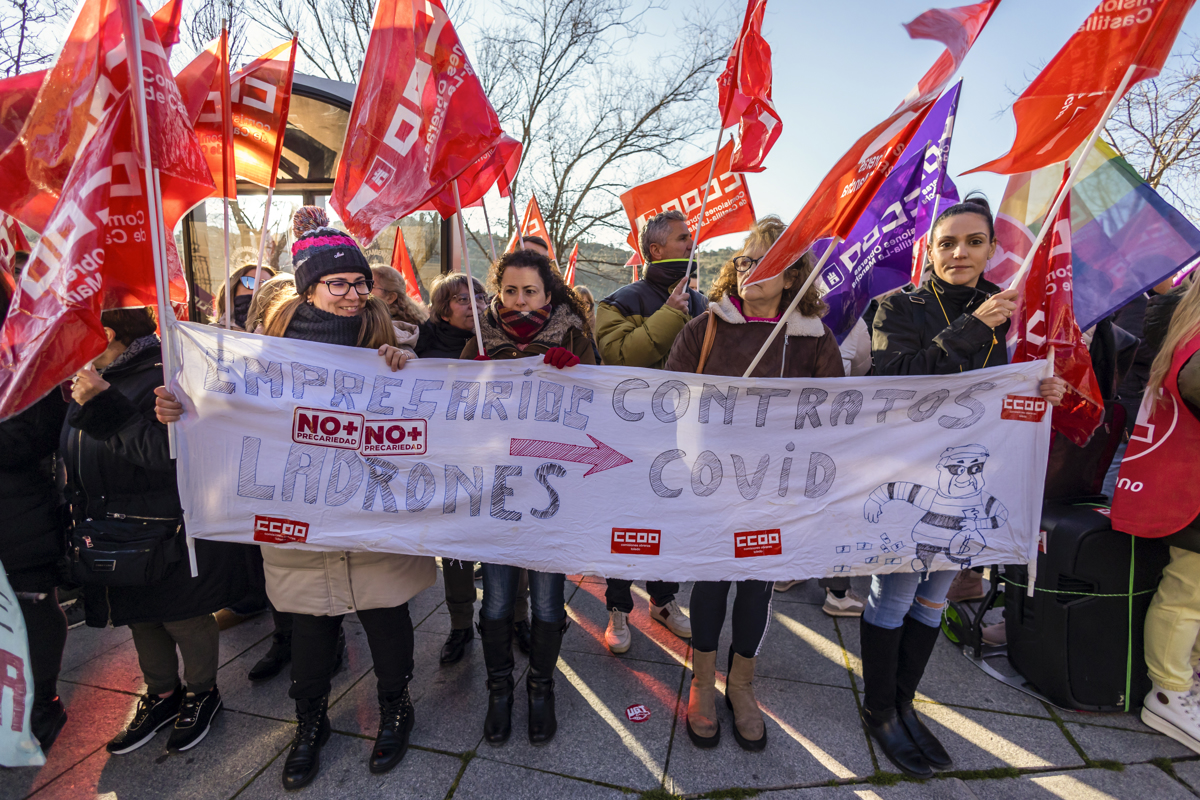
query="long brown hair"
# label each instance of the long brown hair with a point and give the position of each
(376, 327)
(403, 308)
(761, 237)
(556, 289)
(234, 277)
(1185, 325)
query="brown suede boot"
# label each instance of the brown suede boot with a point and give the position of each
(748, 727)
(702, 726)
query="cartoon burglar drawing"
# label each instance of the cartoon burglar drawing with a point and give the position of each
(957, 512)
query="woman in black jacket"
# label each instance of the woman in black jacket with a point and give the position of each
(31, 543)
(955, 322)
(451, 323)
(119, 468)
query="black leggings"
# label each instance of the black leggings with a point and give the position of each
(46, 625)
(751, 613)
(389, 635)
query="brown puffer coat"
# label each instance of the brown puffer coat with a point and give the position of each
(808, 350)
(563, 329)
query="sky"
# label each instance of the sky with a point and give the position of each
(841, 67)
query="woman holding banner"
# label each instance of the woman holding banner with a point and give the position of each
(955, 322)
(332, 303)
(723, 341)
(534, 314)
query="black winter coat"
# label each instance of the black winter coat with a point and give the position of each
(439, 339)
(31, 529)
(912, 336)
(117, 461)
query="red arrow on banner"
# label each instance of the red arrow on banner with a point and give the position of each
(601, 457)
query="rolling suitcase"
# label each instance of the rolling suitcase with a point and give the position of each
(1070, 646)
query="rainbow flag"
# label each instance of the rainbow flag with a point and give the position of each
(1124, 237)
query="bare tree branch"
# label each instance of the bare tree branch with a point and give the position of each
(26, 33)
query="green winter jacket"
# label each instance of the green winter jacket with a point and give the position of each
(634, 325)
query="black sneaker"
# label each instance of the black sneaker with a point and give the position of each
(195, 718)
(153, 714)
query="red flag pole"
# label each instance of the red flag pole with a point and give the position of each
(703, 202)
(133, 43)
(1065, 191)
(462, 232)
(812, 276)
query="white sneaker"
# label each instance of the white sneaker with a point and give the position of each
(1175, 714)
(617, 635)
(671, 617)
(783, 586)
(849, 606)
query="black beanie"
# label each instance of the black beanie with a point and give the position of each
(326, 251)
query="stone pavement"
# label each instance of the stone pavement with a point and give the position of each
(1005, 743)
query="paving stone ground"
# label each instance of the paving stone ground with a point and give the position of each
(1006, 744)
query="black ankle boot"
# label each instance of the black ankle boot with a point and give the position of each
(395, 724)
(496, 636)
(279, 656)
(880, 655)
(916, 645)
(312, 732)
(46, 720)
(545, 643)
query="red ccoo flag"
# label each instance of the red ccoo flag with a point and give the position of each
(533, 225)
(848, 188)
(403, 264)
(745, 93)
(496, 167)
(729, 209)
(195, 80)
(1046, 319)
(1067, 100)
(214, 125)
(261, 94)
(569, 275)
(12, 241)
(418, 122)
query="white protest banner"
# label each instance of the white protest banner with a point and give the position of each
(18, 747)
(613, 471)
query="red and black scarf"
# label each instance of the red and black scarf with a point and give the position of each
(522, 326)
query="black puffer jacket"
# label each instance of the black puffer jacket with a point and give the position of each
(440, 339)
(31, 537)
(934, 332)
(118, 462)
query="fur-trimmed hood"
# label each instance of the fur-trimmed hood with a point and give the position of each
(797, 324)
(552, 334)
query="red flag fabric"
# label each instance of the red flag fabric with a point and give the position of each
(403, 264)
(1046, 319)
(91, 73)
(496, 167)
(261, 95)
(195, 81)
(533, 225)
(16, 101)
(569, 275)
(214, 125)
(729, 209)
(419, 120)
(848, 188)
(1067, 100)
(12, 240)
(745, 93)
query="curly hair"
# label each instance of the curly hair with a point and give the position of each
(761, 237)
(557, 289)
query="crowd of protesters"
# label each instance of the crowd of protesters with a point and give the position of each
(99, 465)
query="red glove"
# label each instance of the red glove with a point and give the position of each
(482, 358)
(560, 357)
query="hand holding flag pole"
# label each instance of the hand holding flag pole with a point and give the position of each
(462, 233)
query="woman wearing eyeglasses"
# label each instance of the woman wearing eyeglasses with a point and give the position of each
(739, 319)
(451, 324)
(332, 304)
(242, 283)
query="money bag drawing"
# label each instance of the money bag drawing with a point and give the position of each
(957, 512)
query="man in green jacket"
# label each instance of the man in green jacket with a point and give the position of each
(635, 327)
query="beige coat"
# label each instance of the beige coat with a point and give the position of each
(327, 584)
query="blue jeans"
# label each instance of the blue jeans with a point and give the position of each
(500, 593)
(899, 594)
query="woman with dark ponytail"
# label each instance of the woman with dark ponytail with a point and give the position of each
(954, 322)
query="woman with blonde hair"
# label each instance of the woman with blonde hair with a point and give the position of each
(332, 303)
(1158, 496)
(242, 284)
(723, 341)
(407, 316)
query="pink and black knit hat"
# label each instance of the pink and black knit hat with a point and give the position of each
(320, 251)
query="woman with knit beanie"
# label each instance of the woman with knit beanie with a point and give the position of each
(534, 314)
(332, 304)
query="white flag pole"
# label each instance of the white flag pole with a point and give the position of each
(518, 222)
(1066, 189)
(262, 240)
(466, 258)
(783, 318)
(712, 168)
(225, 188)
(228, 291)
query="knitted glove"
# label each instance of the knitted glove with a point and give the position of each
(561, 357)
(482, 358)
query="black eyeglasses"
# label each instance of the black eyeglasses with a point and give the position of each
(745, 263)
(247, 281)
(340, 288)
(957, 469)
(463, 300)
